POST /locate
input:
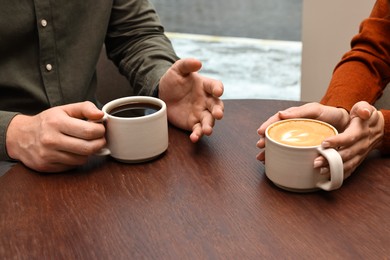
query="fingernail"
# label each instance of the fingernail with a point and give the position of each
(284, 112)
(325, 144)
(368, 110)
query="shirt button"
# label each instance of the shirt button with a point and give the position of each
(49, 67)
(43, 23)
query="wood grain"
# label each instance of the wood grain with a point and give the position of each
(209, 200)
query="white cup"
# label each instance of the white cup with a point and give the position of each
(290, 153)
(133, 138)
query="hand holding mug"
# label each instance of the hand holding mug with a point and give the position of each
(57, 139)
(363, 134)
(292, 146)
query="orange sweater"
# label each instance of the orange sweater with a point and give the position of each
(364, 71)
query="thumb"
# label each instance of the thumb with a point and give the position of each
(362, 109)
(187, 66)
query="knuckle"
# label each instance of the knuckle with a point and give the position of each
(47, 141)
(87, 102)
(88, 131)
(92, 131)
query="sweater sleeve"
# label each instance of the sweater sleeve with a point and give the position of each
(364, 71)
(386, 140)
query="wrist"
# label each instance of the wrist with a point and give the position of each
(13, 137)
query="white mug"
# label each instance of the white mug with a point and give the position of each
(136, 128)
(290, 153)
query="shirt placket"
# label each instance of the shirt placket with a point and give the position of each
(47, 52)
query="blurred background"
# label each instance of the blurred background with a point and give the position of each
(266, 49)
(253, 46)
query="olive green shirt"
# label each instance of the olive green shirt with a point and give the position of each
(49, 50)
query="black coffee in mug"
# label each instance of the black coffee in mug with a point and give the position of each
(135, 109)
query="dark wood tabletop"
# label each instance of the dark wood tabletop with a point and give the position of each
(209, 200)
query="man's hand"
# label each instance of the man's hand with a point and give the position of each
(57, 139)
(193, 101)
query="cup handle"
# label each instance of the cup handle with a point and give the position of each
(104, 151)
(336, 169)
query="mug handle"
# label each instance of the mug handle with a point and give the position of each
(104, 151)
(336, 169)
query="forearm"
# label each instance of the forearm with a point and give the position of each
(352, 82)
(138, 46)
(364, 71)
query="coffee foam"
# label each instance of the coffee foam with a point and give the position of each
(300, 132)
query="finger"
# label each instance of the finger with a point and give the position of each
(310, 110)
(217, 111)
(346, 139)
(76, 146)
(51, 168)
(320, 162)
(196, 133)
(216, 107)
(317, 111)
(57, 161)
(207, 122)
(263, 127)
(204, 127)
(187, 66)
(68, 159)
(83, 110)
(351, 159)
(364, 113)
(261, 143)
(353, 153)
(82, 129)
(351, 165)
(357, 151)
(374, 118)
(362, 109)
(261, 156)
(291, 112)
(213, 87)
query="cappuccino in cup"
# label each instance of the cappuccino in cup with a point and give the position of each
(291, 147)
(301, 132)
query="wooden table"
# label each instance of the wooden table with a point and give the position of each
(209, 200)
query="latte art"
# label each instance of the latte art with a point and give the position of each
(300, 132)
(300, 137)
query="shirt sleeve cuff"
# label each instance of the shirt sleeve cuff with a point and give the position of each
(5, 119)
